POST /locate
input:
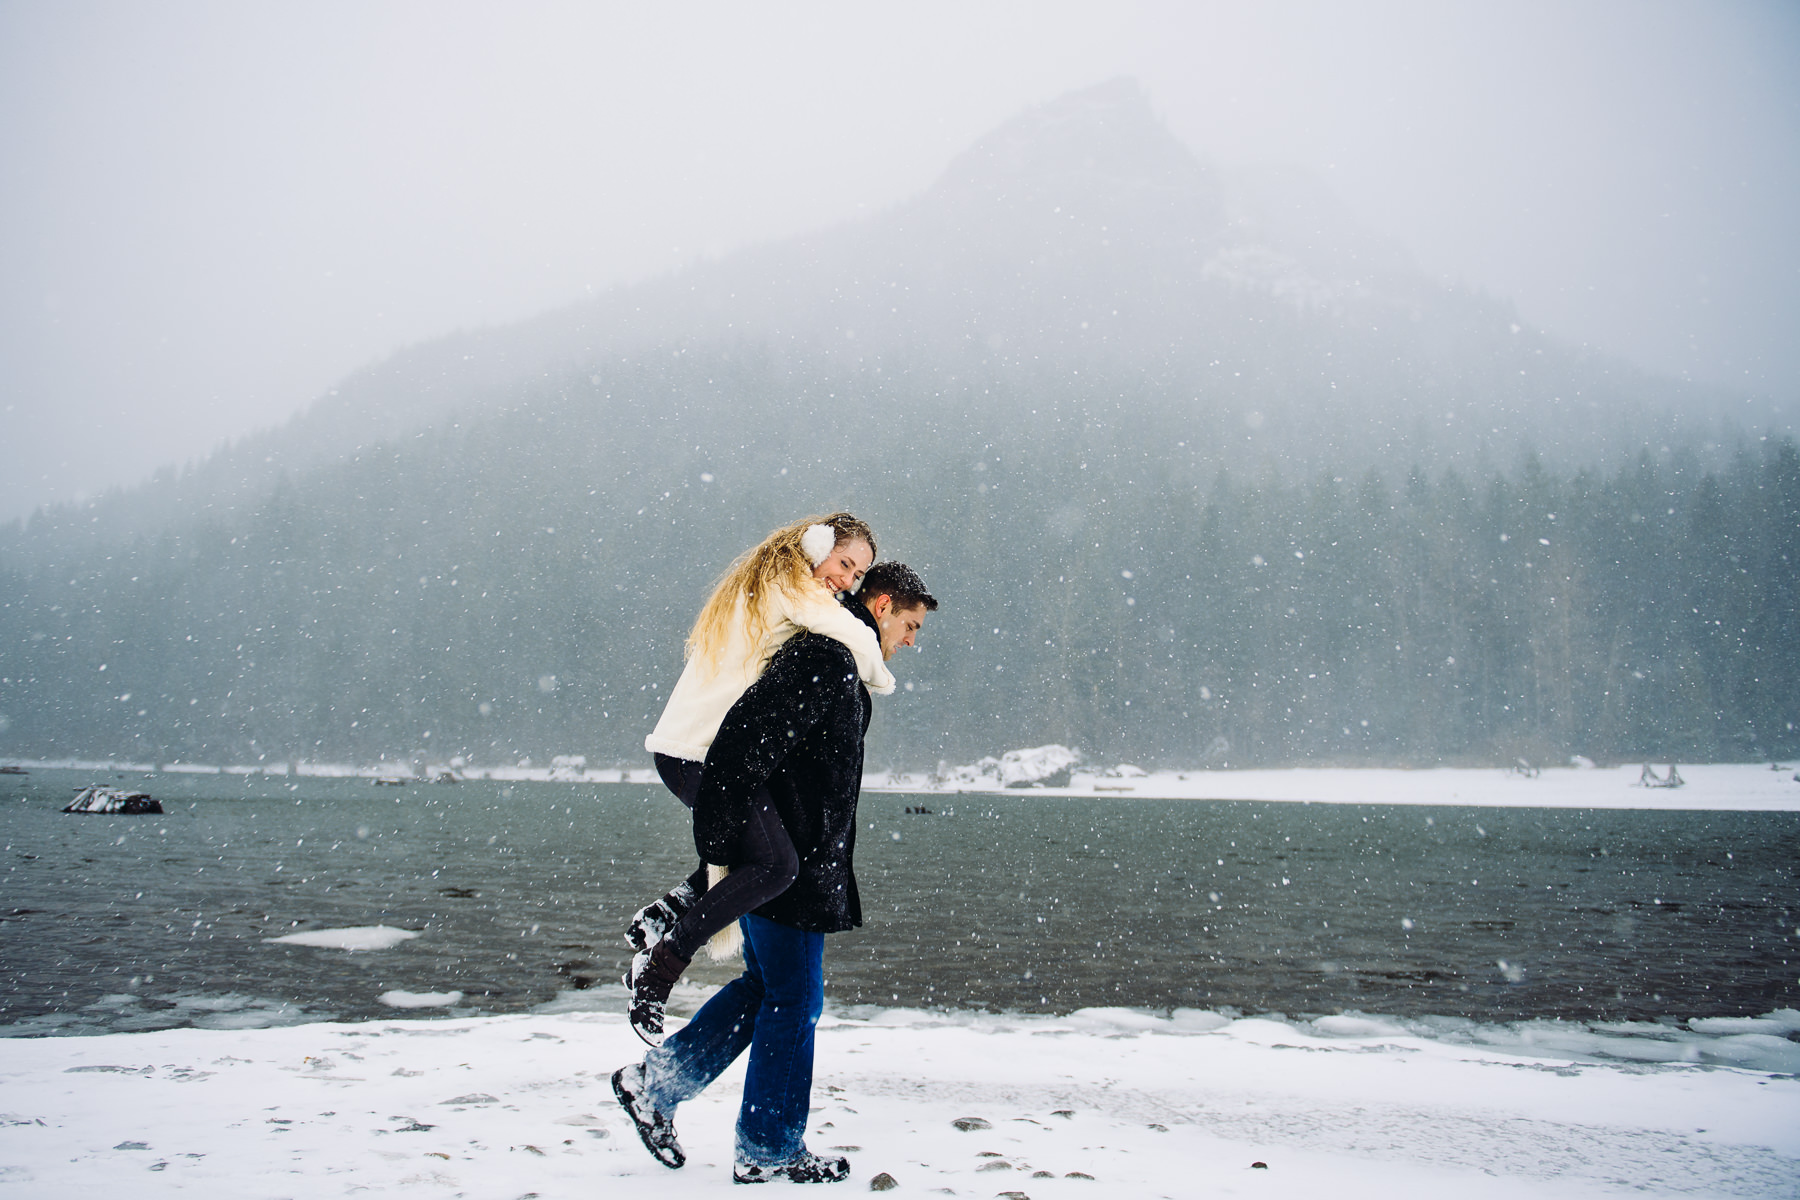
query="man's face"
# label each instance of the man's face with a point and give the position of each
(899, 626)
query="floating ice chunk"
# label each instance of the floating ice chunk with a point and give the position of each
(1781, 1021)
(1636, 1049)
(227, 1002)
(1640, 1029)
(254, 1014)
(1356, 1025)
(1124, 1020)
(1788, 1017)
(1754, 1051)
(362, 937)
(116, 1000)
(399, 999)
(1198, 1020)
(238, 1020)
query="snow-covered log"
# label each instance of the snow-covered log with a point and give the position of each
(1038, 766)
(1650, 779)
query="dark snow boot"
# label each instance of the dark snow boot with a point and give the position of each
(655, 1128)
(651, 974)
(804, 1167)
(651, 923)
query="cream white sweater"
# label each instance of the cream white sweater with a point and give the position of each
(705, 693)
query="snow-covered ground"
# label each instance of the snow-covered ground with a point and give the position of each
(1102, 1103)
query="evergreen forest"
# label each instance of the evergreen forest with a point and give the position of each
(519, 586)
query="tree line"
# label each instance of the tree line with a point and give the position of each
(519, 585)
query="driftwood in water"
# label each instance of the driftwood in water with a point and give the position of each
(97, 799)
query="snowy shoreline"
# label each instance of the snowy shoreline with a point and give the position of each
(1747, 787)
(1752, 787)
(1102, 1102)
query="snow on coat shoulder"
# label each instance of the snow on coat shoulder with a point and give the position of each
(820, 612)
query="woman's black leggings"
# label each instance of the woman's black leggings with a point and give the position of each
(764, 864)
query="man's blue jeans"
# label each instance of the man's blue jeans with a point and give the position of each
(772, 1008)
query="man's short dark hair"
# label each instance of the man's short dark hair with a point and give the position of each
(898, 581)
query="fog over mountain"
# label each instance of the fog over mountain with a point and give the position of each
(1250, 303)
(211, 214)
(1202, 471)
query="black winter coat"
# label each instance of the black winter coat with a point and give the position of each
(798, 731)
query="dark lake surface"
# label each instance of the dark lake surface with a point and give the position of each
(1023, 902)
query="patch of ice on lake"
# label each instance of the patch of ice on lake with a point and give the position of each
(1121, 1020)
(257, 1018)
(1198, 1020)
(1781, 1021)
(229, 1010)
(357, 938)
(227, 1002)
(399, 999)
(116, 1000)
(1350, 1025)
(1755, 1051)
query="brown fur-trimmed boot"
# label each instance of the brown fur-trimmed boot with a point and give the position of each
(651, 974)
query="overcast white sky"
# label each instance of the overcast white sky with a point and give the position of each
(211, 211)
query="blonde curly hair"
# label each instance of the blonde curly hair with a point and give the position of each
(776, 564)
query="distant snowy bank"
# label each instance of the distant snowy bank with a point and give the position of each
(1058, 771)
(1757, 787)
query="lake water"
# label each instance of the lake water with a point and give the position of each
(1024, 902)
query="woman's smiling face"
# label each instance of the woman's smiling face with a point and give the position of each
(844, 566)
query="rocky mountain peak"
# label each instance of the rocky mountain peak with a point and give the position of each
(1099, 156)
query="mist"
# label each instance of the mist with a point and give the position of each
(211, 215)
(1353, 448)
